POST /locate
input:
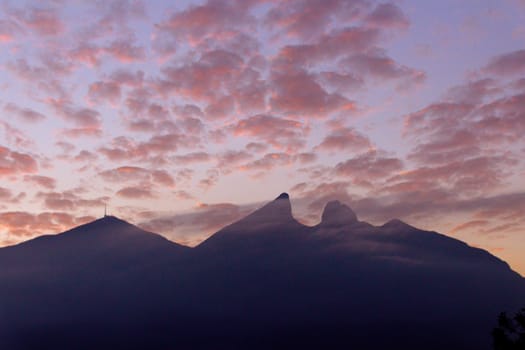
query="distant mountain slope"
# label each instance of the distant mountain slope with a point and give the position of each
(103, 239)
(265, 281)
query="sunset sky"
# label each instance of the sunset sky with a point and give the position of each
(183, 116)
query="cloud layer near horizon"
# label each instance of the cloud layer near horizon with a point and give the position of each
(213, 107)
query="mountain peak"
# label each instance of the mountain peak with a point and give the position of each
(283, 195)
(336, 213)
(278, 210)
(105, 222)
(274, 216)
(109, 228)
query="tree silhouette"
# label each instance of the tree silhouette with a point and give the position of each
(510, 332)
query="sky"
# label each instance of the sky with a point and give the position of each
(183, 116)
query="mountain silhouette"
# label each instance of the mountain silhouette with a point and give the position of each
(265, 281)
(273, 223)
(336, 214)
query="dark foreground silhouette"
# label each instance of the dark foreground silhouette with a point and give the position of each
(264, 282)
(510, 332)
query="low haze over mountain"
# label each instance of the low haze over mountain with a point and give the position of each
(265, 281)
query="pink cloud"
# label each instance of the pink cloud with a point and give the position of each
(125, 51)
(204, 79)
(212, 176)
(57, 203)
(468, 176)
(502, 119)
(12, 162)
(114, 16)
(268, 162)
(306, 157)
(167, 143)
(8, 30)
(341, 81)
(388, 15)
(125, 173)
(24, 225)
(451, 146)
(128, 78)
(191, 158)
(279, 132)
(85, 156)
(155, 149)
(469, 225)
(345, 139)
(299, 94)
(120, 148)
(188, 111)
(101, 91)
(218, 136)
(69, 201)
(137, 174)
(15, 137)
(473, 92)
(191, 125)
(43, 181)
(240, 41)
(339, 42)
(141, 125)
(307, 19)
(26, 114)
(9, 198)
(220, 108)
(229, 159)
(377, 65)
(499, 229)
(250, 92)
(122, 50)
(163, 177)
(157, 111)
(135, 192)
(82, 132)
(482, 118)
(507, 64)
(464, 151)
(56, 65)
(436, 117)
(5, 194)
(46, 76)
(372, 165)
(164, 45)
(185, 175)
(519, 84)
(256, 147)
(42, 21)
(87, 53)
(16, 223)
(80, 116)
(26, 71)
(207, 20)
(65, 147)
